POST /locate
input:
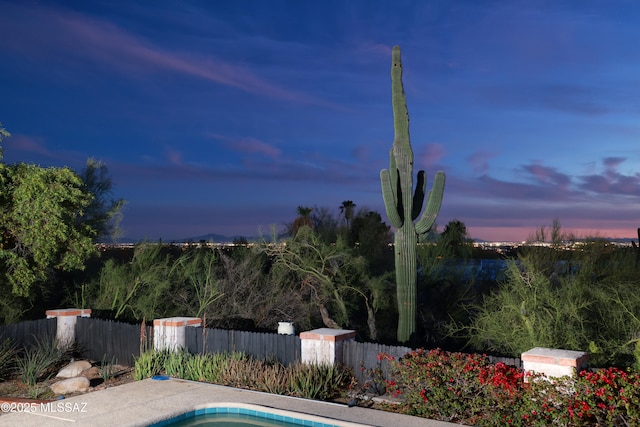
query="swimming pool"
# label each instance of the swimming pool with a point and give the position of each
(241, 415)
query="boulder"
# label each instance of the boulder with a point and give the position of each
(73, 369)
(70, 385)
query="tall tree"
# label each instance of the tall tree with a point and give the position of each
(103, 213)
(347, 209)
(40, 231)
(303, 219)
(402, 208)
(455, 240)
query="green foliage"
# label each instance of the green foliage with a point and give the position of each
(455, 387)
(138, 289)
(108, 368)
(335, 279)
(403, 208)
(371, 238)
(148, 364)
(39, 361)
(7, 359)
(530, 311)
(455, 240)
(40, 225)
(321, 382)
(467, 389)
(580, 299)
(3, 134)
(195, 270)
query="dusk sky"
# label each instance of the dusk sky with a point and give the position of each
(224, 116)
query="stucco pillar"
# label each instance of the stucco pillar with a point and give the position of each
(169, 333)
(66, 327)
(324, 345)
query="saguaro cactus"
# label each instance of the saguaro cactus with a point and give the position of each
(403, 208)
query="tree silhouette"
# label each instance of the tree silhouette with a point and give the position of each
(304, 218)
(347, 210)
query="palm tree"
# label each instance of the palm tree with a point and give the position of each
(304, 218)
(347, 210)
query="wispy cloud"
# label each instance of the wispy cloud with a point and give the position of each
(610, 181)
(431, 154)
(71, 36)
(31, 144)
(479, 161)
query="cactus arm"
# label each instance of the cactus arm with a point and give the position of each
(389, 198)
(403, 207)
(434, 202)
(418, 195)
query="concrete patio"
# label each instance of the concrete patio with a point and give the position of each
(149, 401)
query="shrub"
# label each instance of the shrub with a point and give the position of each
(242, 371)
(39, 361)
(465, 388)
(7, 358)
(149, 363)
(454, 387)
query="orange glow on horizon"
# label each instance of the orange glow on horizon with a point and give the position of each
(520, 234)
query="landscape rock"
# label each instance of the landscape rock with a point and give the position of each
(70, 385)
(93, 372)
(73, 369)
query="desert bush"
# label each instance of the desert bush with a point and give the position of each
(148, 364)
(39, 361)
(590, 304)
(320, 382)
(7, 358)
(242, 371)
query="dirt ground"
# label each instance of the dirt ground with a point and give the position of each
(16, 388)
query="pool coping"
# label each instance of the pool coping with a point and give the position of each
(149, 401)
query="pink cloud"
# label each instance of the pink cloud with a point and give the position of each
(30, 144)
(248, 145)
(548, 175)
(253, 145)
(174, 157)
(431, 155)
(361, 152)
(480, 161)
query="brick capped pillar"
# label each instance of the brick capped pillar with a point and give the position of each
(324, 345)
(553, 363)
(66, 327)
(169, 333)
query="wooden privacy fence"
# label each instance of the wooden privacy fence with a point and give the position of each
(363, 356)
(284, 348)
(26, 334)
(109, 340)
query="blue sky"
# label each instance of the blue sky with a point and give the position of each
(224, 116)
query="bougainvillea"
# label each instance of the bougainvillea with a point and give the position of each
(466, 388)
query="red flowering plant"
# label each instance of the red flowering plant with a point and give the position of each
(606, 397)
(454, 387)
(466, 388)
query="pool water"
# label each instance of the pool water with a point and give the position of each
(237, 417)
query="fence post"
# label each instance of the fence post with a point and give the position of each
(553, 363)
(324, 345)
(169, 333)
(66, 326)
